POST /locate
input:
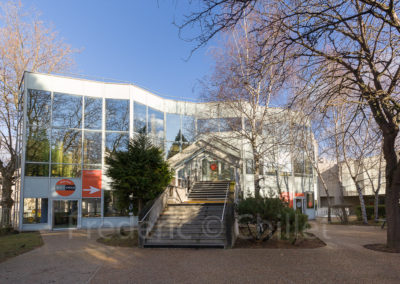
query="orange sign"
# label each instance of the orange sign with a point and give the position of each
(91, 183)
(65, 187)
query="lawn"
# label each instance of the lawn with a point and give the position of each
(14, 244)
(118, 239)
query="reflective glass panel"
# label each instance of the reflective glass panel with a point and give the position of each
(156, 123)
(230, 124)
(62, 170)
(93, 112)
(65, 213)
(117, 115)
(91, 207)
(38, 107)
(66, 146)
(67, 110)
(172, 148)
(92, 147)
(173, 125)
(207, 125)
(36, 170)
(188, 128)
(36, 210)
(37, 144)
(116, 142)
(139, 117)
(112, 207)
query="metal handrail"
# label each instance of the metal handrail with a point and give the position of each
(226, 197)
(151, 208)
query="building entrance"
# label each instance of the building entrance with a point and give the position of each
(65, 214)
(215, 170)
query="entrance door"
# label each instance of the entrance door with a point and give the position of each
(214, 170)
(65, 214)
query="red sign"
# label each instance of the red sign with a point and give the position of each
(213, 167)
(91, 183)
(65, 187)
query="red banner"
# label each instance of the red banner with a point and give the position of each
(91, 183)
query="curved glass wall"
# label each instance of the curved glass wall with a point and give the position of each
(64, 133)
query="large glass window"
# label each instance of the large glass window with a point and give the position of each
(35, 210)
(139, 120)
(116, 142)
(67, 110)
(207, 125)
(188, 129)
(38, 107)
(113, 207)
(156, 123)
(92, 147)
(66, 146)
(173, 127)
(230, 124)
(91, 207)
(37, 144)
(36, 170)
(93, 112)
(117, 115)
(66, 170)
(172, 148)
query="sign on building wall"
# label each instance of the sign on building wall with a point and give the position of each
(91, 183)
(65, 187)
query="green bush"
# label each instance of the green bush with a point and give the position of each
(269, 215)
(370, 212)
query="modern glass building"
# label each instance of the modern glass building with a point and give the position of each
(69, 125)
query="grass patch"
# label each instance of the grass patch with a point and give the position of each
(14, 244)
(121, 239)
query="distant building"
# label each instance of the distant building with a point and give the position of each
(371, 174)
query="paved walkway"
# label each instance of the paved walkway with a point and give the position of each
(76, 257)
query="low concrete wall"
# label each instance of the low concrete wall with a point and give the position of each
(109, 222)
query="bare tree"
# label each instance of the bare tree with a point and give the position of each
(361, 37)
(373, 172)
(26, 43)
(245, 80)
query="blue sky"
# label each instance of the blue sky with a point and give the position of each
(131, 41)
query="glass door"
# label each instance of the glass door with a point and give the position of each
(65, 214)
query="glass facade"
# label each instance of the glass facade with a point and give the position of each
(93, 113)
(35, 210)
(117, 115)
(66, 134)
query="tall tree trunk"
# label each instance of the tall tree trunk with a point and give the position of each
(342, 207)
(329, 210)
(392, 190)
(376, 206)
(256, 160)
(362, 203)
(6, 202)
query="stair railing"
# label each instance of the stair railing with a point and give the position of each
(227, 218)
(226, 200)
(148, 221)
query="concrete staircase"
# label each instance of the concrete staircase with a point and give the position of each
(209, 191)
(196, 224)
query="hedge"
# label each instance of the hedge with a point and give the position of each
(370, 212)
